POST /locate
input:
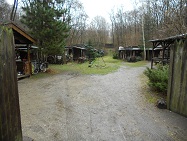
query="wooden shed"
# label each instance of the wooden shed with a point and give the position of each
(133, 51)
(77, 52)
(177, 83)
(21, 38)
(125, 52)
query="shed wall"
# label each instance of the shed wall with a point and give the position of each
(177, 86)
(10, 121)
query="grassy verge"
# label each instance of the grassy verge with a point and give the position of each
(136, 64)
(151, 95)
(99, 66)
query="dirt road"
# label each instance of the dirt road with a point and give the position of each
(72, 107)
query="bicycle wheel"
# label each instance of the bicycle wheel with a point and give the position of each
(36, 71)
(43, 67)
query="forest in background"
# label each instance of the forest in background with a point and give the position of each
(151, 18)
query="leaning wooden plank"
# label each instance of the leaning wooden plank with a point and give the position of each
(10, 121)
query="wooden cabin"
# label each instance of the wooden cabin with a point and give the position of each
(22, 40)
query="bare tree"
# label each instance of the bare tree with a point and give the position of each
(78, 22)
(99, 31)
(126, 27)
(5, 10)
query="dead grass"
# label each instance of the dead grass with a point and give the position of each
(49, 72)
(52, 71)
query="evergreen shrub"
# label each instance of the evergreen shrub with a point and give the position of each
(115, 56)
(158, 78)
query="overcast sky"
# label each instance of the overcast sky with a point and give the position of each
(101, 7)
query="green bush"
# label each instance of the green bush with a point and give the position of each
(139, 58)
(131, 59)
(158, 78)
(115, 56)
(91, 53)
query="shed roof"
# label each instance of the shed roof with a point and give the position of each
(166, 42)
(20, 36)
(77, 47)
(172, 38)
(129, 48)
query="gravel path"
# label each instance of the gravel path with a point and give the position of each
(71, 107)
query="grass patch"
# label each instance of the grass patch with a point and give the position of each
(136, 64)
(98, 67)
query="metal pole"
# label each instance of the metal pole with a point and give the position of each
(14, 9)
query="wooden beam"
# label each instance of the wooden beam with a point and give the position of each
(29, 59)
(20, 31)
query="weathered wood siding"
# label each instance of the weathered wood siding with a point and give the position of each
(177, 86)
(10, 121)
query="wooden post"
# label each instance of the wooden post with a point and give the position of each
(81, 53)
(125, 54)
(29, 60)
(152, 56)
(73, 54)
(168, 54)
(163, 54)
(170, 79)
(10, 120)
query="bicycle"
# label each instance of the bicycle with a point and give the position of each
(35, 67)
(38, 67)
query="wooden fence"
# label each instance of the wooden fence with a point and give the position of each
(10, 121)
(177, 87)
